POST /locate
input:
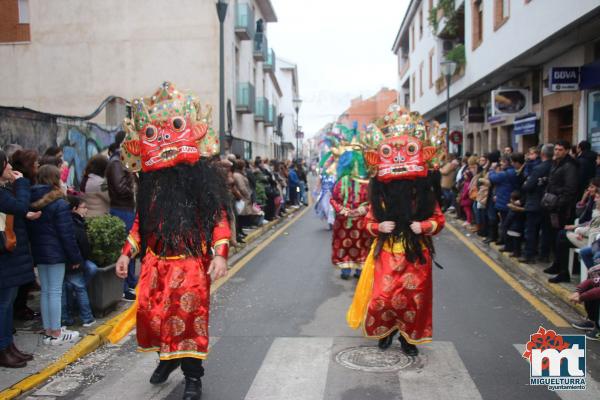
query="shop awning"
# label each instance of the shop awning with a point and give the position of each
(526, 125)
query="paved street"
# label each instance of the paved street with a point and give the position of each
(279, 333)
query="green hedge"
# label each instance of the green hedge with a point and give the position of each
(107, 235)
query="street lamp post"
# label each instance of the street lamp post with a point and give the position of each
(222, 13)
(448, 67)
(297, 103)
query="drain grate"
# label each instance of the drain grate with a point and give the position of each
(372, 359)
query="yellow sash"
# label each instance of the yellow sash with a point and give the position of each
(362, 295)
(124, 325)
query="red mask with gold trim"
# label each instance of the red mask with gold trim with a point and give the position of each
(403, 148)
(167, 129)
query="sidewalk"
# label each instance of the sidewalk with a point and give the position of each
(534, 271)
(49, 360)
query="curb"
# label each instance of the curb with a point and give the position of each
(98, 337)
(533, 273)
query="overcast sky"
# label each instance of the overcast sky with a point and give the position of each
(342, 48)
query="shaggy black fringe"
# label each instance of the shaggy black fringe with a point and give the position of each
(405, 201)
(179, 206)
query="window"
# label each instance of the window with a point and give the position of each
(477, 23)
(431, 52)
(501, 12)
(412, 37)
(420, 22)
(421, 66)
(23, 11)
(412, 87)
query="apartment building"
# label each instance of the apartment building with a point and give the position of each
(527, 70)
(65, 57)
(362, 112)
(287, 76)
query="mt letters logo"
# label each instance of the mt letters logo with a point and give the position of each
(556, 361)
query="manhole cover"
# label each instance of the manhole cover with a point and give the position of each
(372, 359)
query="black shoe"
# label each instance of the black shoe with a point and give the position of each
(193, 389)
(386, 342)
(488, 241)
(552, 270)
(504, 249)
(560, 278)
(408, 349)
(526, 260)
(499, 242)
(164, 369)
(240, 240)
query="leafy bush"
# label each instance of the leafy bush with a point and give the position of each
(107, 235)
(457, 54)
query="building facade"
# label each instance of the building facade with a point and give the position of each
(66, 57)
(287, 76)
(362, 112)
(506, 52)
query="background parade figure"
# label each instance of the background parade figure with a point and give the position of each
(350, 241)
(181, 200)
(327, 179)
(394, 293)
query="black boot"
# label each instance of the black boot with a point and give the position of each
(164, 369)
(193, 388)
(408, 349)
(386, 342)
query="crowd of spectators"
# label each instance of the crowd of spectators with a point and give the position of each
(45, 212)
(536, 206)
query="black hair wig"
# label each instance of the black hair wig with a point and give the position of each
(403, 202)
(180, 206)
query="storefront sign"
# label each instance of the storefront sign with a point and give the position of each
(475, 115)
(526, 125)
(507, 102)
(564, 79)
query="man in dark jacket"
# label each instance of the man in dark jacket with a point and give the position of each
(120, 190)
(586, 161)
(562, 187)
(533, 189)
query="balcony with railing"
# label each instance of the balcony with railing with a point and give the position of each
(271, 116)
(244, 21)
(269, 64)
(261, 47)
(261, 113)
(245, 98)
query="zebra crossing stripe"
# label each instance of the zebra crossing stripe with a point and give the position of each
(134, 382)
(592, 387)
(294, 369)
(440, 368)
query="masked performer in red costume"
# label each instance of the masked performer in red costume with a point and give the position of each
(349, 199)
(181, 231)
(394, 293)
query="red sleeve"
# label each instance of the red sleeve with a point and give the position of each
(434, 225)
(372, 224)
(585, 285)
(131, 248)
(336, 200)
(590, 295)
(220, 237)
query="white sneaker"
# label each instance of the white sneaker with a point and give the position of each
(64, 337)
(88, 324)
(63, 329)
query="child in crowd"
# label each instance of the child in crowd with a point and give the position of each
(588, 293)
(465, 200)
(515, 224)
(76, 279)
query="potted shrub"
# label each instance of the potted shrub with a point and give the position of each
(107, 235)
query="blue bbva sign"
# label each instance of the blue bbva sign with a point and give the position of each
(564, 78)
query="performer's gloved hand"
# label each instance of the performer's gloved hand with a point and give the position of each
(121, 266)
(386, 226)
(217, 268)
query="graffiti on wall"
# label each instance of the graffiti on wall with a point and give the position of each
(81, 144)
